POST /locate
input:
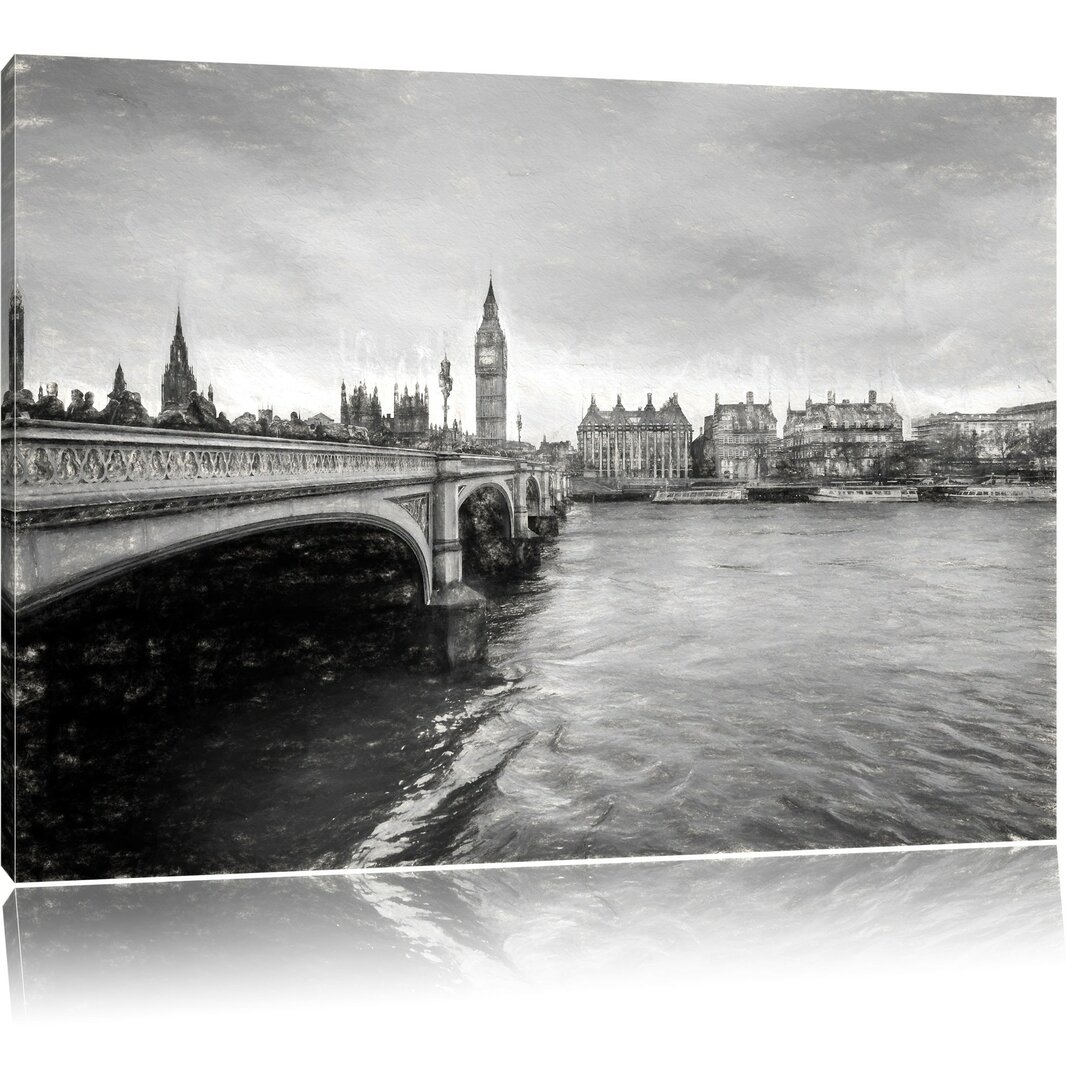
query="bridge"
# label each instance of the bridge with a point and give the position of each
(83, 503)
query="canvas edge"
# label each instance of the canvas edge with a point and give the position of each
(7, 612)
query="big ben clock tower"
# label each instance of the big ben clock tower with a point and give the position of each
(491, 377)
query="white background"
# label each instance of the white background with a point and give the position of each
(1002, 1020)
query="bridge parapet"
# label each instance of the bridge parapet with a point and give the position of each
(476, 465)
(43, 455)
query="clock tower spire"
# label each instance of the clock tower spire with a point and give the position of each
(491, 376)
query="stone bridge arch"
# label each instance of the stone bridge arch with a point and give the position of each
(533, 496)
(499, 484)
(49, 566)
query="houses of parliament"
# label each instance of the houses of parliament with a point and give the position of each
(410, 422)
(361, 414)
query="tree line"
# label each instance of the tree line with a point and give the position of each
(1030, 451)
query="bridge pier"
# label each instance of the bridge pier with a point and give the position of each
(560, 495)
(457, 618)
(526, 541)
(445, 536)
(457, 613)
(546, 522)
(527, 552)
(545, 526)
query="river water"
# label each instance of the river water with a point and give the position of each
(673, 679)
(728, 678)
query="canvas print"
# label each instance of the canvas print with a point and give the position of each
(404, 468)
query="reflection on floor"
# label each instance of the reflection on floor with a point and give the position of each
(96, 949)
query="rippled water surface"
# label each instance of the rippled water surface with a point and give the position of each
(719, 678)
(673, 679)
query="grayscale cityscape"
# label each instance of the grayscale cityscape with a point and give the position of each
(405, 469)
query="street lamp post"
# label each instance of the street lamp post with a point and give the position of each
(446, 384)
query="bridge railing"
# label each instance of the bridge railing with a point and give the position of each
(48, 464)
(477, 464)
(56, 456)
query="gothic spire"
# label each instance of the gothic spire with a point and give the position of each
(178, 381)
(15, 339)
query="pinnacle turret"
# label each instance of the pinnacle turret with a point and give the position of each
(178, 381)
(491, 305)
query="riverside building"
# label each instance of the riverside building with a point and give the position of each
(647, 443)
(984, 427)
(843, 439)
(739, 438)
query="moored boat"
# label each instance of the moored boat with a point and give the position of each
(702, 495)
(1004, 493)
(865, 494)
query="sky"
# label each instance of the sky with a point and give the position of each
(321, 224)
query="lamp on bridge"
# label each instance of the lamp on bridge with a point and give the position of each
(446, 384)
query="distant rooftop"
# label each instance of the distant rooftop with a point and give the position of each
(670, 413)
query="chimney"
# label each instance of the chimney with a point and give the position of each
(749, 397)
(648, 400)
(871, 397)
(831, 399)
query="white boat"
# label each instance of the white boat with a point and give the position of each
(702, 495)
(860, 495)
(1005, 493)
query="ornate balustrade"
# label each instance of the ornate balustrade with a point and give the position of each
(46, 465)
(51, 455)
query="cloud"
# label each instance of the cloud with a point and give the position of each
(643, 236)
